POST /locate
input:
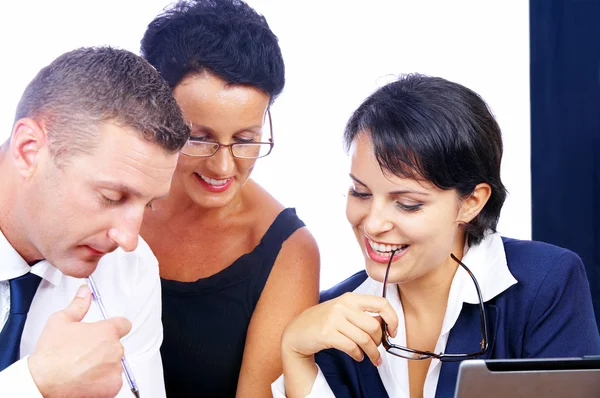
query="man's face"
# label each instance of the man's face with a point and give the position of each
(94, 203)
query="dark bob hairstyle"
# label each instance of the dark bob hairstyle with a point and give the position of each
(431, 128)
(225, 38)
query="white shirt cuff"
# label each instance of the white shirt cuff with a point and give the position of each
(320, 388)
(16, 381)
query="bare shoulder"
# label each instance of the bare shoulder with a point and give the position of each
(299, 253)
(292, 286)
(294, 279)
(300, 249)
(260, 198)
(262, 209)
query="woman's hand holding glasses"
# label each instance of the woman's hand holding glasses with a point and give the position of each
(346, 323)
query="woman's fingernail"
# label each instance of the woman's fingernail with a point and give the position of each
(379, 362)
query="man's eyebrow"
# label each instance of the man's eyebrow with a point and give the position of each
(120, 187)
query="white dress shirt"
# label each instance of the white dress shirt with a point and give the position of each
(487, 261)
(129, 285)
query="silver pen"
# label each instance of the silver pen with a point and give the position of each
(128, 374)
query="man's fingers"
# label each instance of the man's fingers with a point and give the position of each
(80, 304)
(121, 325)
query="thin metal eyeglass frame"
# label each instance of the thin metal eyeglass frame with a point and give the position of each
(421, 355)
(218, 145)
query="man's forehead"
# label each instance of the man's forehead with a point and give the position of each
(124, 161)
(147, 190)
(123, 144)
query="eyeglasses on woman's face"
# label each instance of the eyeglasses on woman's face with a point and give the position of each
(199, 147)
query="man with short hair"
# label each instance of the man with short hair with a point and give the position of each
(95, 140)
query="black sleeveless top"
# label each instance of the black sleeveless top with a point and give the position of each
(205, 322)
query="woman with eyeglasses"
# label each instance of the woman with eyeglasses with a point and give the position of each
(440, 284)
(235, 265)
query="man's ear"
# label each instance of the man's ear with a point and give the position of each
(471, 205)
(28, 142)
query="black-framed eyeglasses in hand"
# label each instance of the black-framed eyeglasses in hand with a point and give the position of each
(198, 147)
(410, 353)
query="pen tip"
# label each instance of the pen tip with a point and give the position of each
(135, 392)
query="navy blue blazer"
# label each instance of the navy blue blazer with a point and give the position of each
(548, 313)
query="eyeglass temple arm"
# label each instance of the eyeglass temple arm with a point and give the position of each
(387, 271)
(482, 308)
(272, 139)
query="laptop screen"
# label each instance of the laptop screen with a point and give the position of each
(549, 378)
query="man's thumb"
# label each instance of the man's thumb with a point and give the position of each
(80, 304)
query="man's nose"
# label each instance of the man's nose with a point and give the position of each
(126, 231)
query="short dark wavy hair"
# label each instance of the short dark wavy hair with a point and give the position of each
(429, 127)
(86, 87)
(226, 38)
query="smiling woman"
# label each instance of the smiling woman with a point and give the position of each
(424, 203)
(220, 115)
(236, 265)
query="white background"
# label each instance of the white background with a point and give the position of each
(336, 53)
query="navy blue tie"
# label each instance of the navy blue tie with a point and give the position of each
(22, 290)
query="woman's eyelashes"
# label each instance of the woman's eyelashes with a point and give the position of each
(235, 140)
(399, 205)
(360, 195)
(409, 208)
(197, 137)
(242, 140)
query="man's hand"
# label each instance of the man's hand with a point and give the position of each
(75, 359)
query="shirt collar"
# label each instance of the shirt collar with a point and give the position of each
(487, 261)
(13, 265)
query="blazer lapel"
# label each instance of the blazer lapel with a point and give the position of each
(465, 337)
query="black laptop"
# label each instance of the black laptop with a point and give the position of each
(527, 378)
